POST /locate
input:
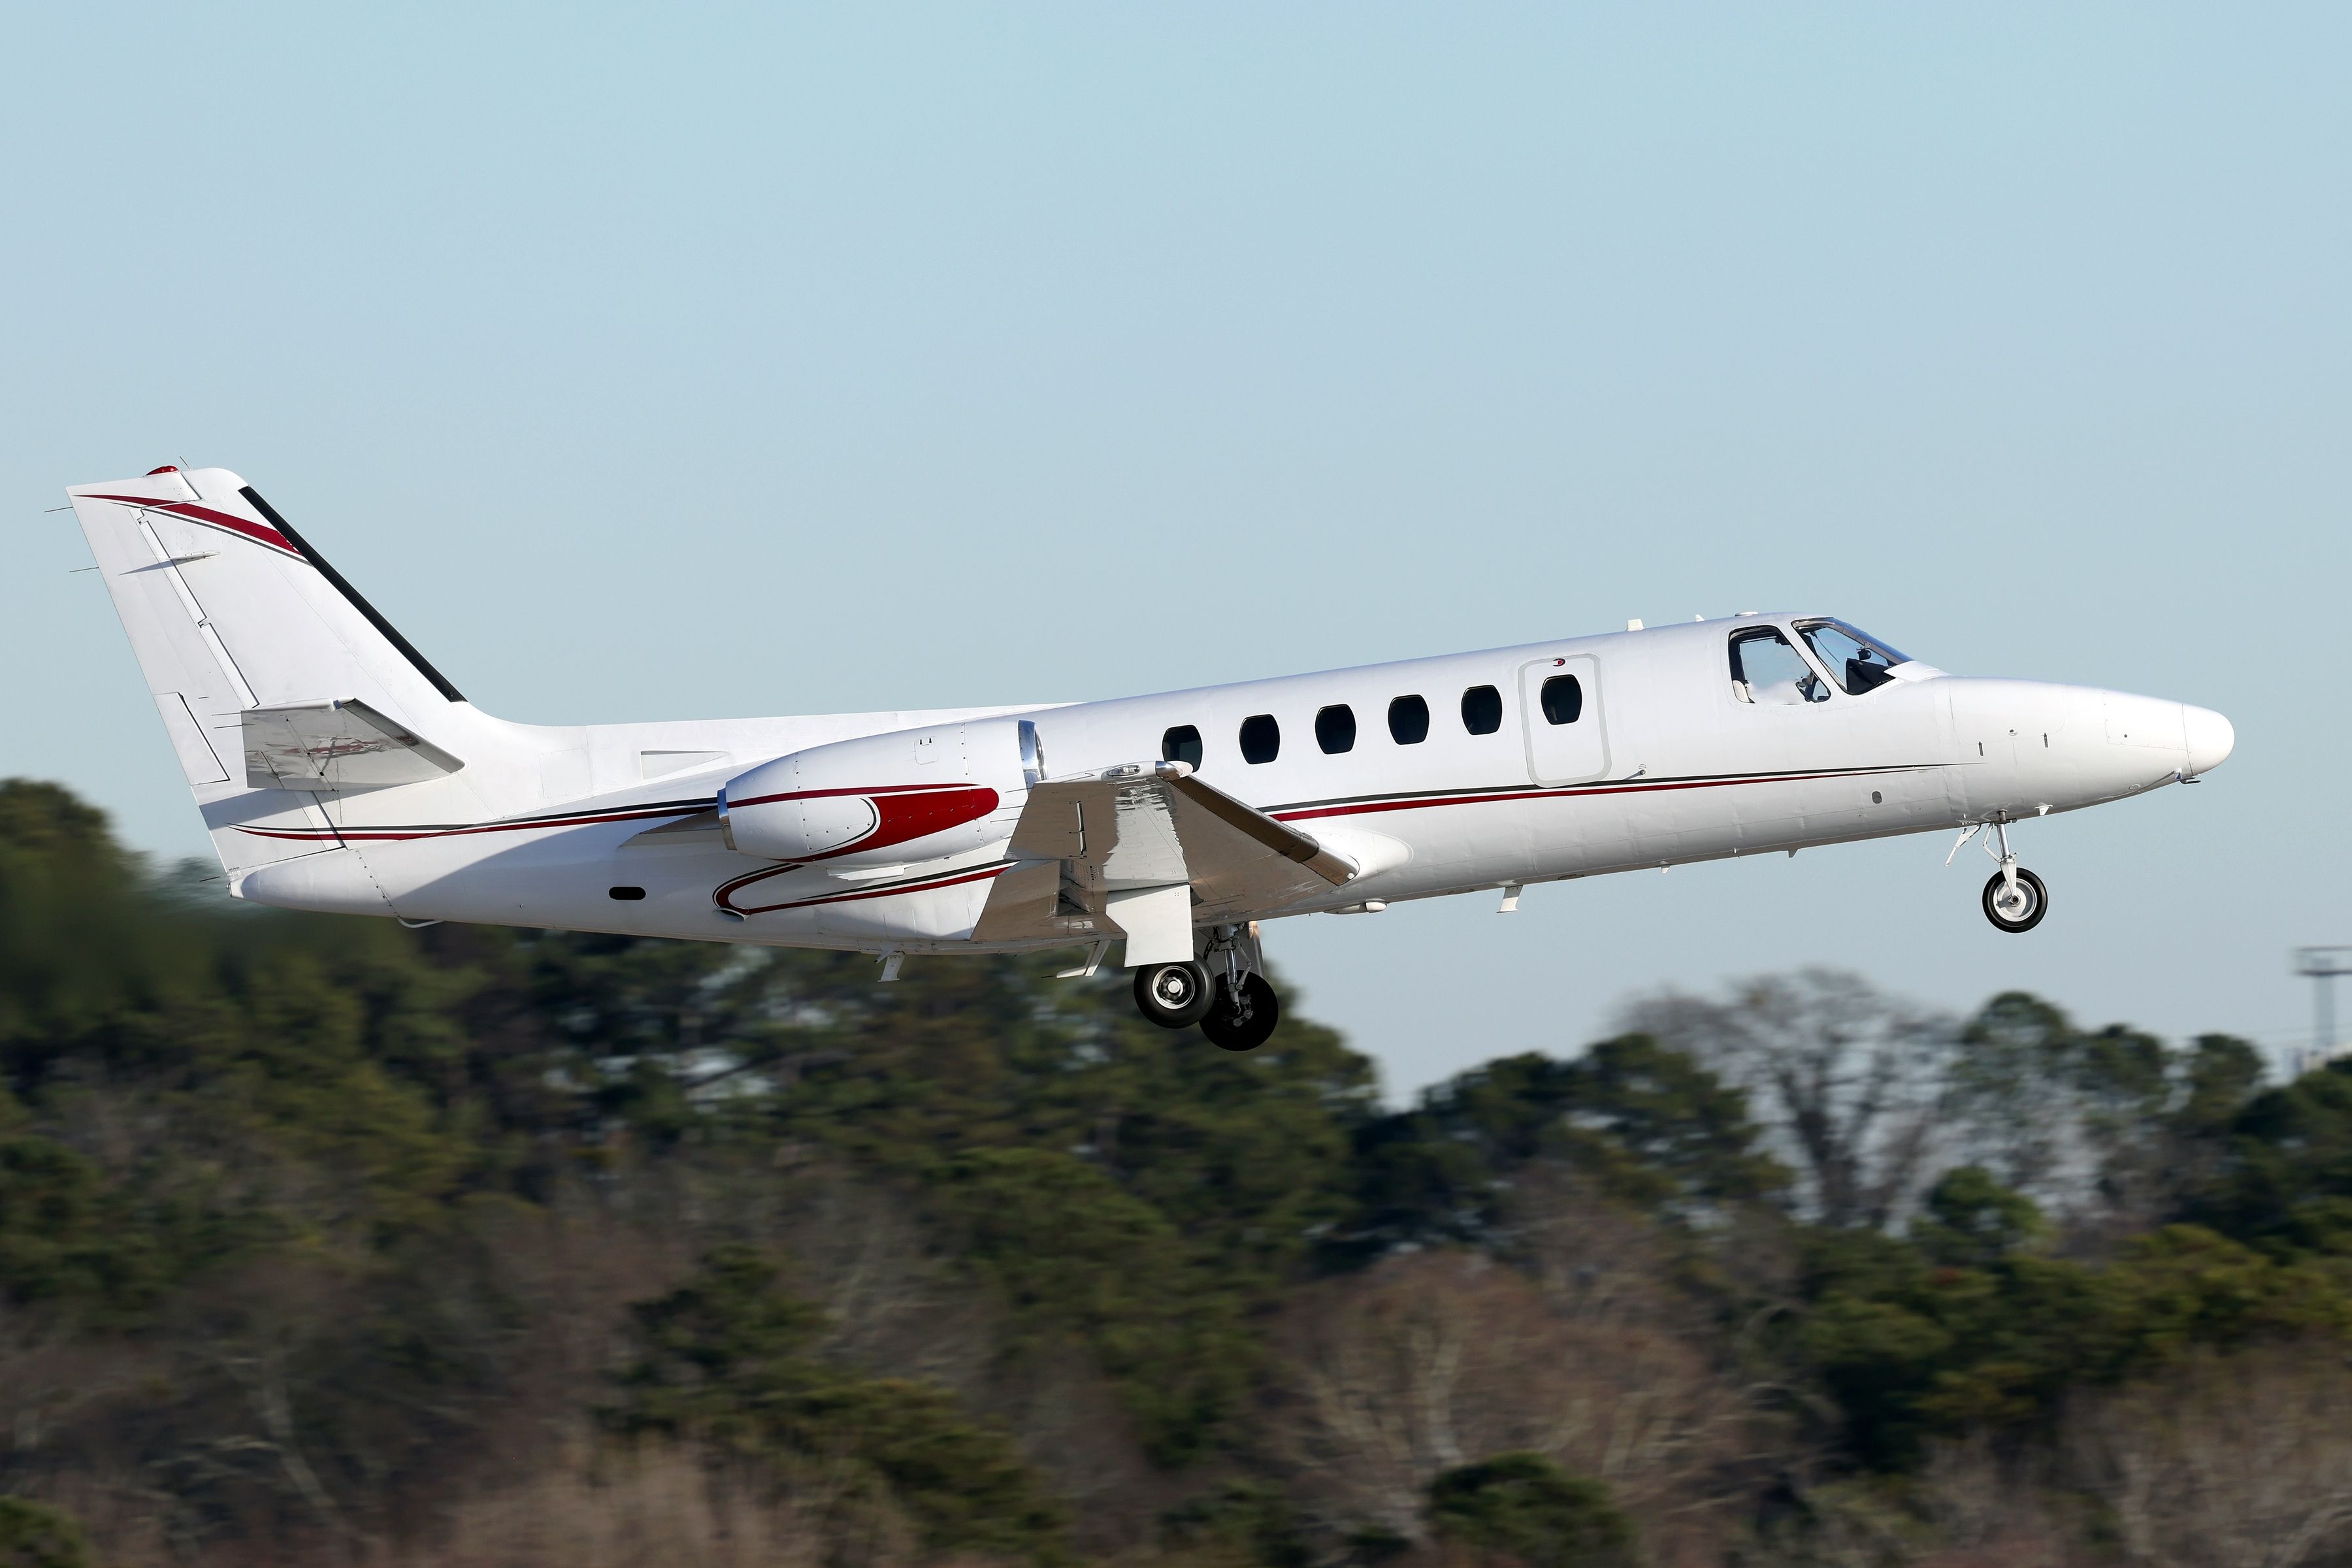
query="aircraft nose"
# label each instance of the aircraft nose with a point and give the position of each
(2209, 736)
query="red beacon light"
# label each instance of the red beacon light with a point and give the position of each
(166, 469)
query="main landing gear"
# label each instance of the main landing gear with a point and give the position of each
(1226, 994)
(2014, 900)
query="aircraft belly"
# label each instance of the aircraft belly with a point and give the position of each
(1476, 844)
(564, 880)
(937, 914)
(558, 879)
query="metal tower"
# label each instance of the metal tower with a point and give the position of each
(2322, 965)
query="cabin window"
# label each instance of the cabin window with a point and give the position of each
(1261, 738)
(1765, 669)
(1857, 662)
(1409, 721)
(1563, 700)
(1181, 744)
(1335, 728)
(625, 895)
(1481, 709)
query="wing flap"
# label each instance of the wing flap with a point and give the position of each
(1145, 826)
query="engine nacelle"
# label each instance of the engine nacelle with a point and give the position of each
(908, 795)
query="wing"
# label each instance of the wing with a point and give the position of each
(1147, 851)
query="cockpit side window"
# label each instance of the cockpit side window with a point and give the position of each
(1855, 660)
(1765, 669)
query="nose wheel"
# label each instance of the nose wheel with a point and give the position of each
(2014, 900)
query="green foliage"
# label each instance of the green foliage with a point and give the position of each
(2037, 1094)
(66, 1235)
(1649, 1124)
(298, 1199)
(67, 912)
(1972, 1221)
(1067, 1245)
(1115, 1182)
(1525, 1508)
(1244, 1522)
(1912, 1347)
(2223, 1073)
(35, 1535)
(728, 1360)
(2287, 1184)
(1247, 1155)
(345, 1085)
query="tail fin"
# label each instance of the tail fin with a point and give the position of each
(281, 688)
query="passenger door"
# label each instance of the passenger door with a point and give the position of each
(1559, 703)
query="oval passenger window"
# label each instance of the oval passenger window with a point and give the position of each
(1261, 738)
(1409, 721)
(1563, 700)
(1481, 709)
(1181, 744)
(1335, 728)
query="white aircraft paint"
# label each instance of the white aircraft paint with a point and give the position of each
(338, 771)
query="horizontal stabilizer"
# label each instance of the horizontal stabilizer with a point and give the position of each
(331, 747)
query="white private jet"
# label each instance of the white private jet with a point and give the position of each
(338, 771)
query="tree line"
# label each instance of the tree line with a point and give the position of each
(325, 1241)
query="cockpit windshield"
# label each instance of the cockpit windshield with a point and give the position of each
(1857, 661)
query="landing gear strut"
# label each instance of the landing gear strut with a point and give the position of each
(1245, 1011)
(2014, 900)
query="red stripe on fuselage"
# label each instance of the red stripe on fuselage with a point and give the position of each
(1281, 813)
(402, 835)
(1414, 803)
(724, 896)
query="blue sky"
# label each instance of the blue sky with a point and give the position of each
(701, 361)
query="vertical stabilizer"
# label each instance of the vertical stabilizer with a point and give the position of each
(281, 690)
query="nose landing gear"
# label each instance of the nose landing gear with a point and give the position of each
(2014, 900)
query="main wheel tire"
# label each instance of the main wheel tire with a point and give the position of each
(2020, 914)
(1243, 1022)
(1174, 995)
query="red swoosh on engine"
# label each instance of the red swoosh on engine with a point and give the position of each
(902, 812)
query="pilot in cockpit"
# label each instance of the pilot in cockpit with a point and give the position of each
(1860, 662)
